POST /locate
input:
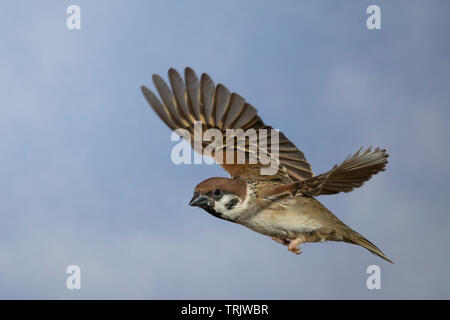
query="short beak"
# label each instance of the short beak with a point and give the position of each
(199, 201)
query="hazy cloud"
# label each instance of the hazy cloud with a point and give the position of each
(86, 173)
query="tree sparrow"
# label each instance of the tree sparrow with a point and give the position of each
(281, 205)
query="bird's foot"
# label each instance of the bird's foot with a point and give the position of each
(281, 241)
(295, 243)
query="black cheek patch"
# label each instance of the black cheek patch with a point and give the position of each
(230, 205)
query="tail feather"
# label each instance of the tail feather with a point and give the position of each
(356, 238)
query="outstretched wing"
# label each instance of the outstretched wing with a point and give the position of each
(350, 174)
(190, 101)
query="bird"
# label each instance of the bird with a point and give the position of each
(282, 205)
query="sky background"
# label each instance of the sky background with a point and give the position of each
(85, 170)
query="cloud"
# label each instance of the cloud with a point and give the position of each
(86, 176)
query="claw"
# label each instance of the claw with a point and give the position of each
(296, 250)
(295, 243)
(281, 241)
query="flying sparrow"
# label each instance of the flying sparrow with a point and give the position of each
(281, 205)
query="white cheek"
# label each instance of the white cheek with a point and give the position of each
(220, 206)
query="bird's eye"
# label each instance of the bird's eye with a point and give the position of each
(217, 192)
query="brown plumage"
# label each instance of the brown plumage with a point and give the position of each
(237, 187)
(217, 108)
(350, 174)
(281, 205)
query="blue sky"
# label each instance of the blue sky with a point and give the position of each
(86, 176)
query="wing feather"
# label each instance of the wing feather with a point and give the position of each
(193, 91)
(159, 108)
(207, 94)
(350, 174)
(236, 107)
(246, 118)
(216, 107)
(179, 91)
(168, 100)
(222, 101)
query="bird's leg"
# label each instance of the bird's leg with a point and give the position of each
(281, 241)
(294, 244)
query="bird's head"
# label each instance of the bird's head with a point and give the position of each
(222, 197)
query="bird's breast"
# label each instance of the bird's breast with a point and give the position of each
(285, 219)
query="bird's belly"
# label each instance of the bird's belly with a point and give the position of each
(286, 224)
